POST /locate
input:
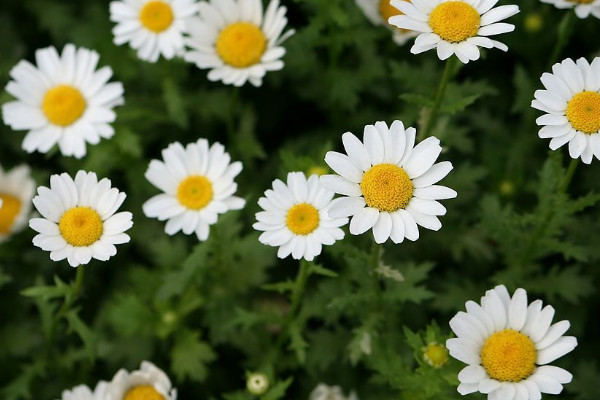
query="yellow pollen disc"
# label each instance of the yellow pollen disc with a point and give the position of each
(508, 356)
(435, 355)
(583, 112)
(302, 219)
(143, 392)
(241, 44)
(63, 105)
(9, 210)
(195, 192)
(386, 187)
(156, 16)
(386, 10)
(454, 21)
(81, 226)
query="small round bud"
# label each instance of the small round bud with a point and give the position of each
(435, 355)
(257, 383)
(533, 23)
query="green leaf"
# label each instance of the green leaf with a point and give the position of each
(190, 356)
(48, 292)
(417, 99)
(86, 335)
(278, 390)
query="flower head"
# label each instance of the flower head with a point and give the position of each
(198, 185)
(508, 345)
(152, 27)
(583, 8)
(454, 26)
(379, 11)
(79, 221)
(64, 100)
(16, 191)
(147, 383)
(388, 182)
(571, 102)
(236, 41)
(295, 217)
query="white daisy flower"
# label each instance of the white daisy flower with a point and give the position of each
(236, 42)
(583, 8)
(148, 382)
(16, 191)
(198, 185)
(508, 345)
(389, 182)
(295, 217)
(152, 27)
(324, 392)
(571, 102)
(79, 221)
(64, 100)
(454, 26)
(379, 11)
(82, 392)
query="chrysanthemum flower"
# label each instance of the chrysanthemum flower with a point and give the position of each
(82, 392)
(198, 185)
(583, 8)
(379, 11)
(325, 392)
(508, 345)
(152, 27)
(64, 100)
(454, 26)
(79, 221)
(147, 383)
(389, 182)
(16, 191)
(236, 42)
(572, 103)
(295, 217)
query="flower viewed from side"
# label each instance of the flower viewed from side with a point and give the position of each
(388, 182)
(295, 217)
(571, 102)
(82, 392)
(454, 26)
(79, 221)
(147, 383)
(198, 185)
(16, 191)
(583, 8)
(152, 27)
(379, 11)
(508, 345)
(64, 100)
(324, 392)
(236, 41)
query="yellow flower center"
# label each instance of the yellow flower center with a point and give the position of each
(81, 226)
(386, 187)
(386, 10)
(195, 192)
(302, 219)
(583, 112)
(508, 356)
(241, 44)
(454, 21)
(156, 16)
(9, 210)
(143, 392)
(63, 105)
(435, 355)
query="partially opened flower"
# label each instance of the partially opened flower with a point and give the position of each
(236, 41)
(16, 191)
(79, 221)
(379, 11)
(389, 183)
(295, 217)
(152, 27)
(454, 26)
(82, 392)
(508, 345)
(147, 383)
(571, 102)
(583, 8)
(198, 185)
(325, 392)
(64, 100)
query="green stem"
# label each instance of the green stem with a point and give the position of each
(439, 96)
(375, 258)
(565, 29)
(564, 184)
